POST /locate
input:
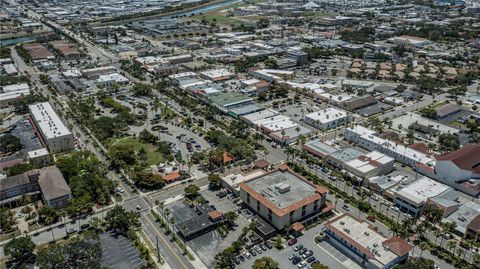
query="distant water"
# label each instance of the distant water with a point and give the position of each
(15, 40)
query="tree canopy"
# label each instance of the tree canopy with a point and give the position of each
(6, 219)
(77, 253)
(265, 263)
(417, 263)
(9, 143)
(20, 249)
(120, 220)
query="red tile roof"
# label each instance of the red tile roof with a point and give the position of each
(171, 177)
(297, 226)
(420, 147)
(397, 245)
(319, 192)
(466, 158)
(261, 164)
(215, 214)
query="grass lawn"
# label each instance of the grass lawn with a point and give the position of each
(153, 156)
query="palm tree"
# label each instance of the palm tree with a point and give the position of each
(452, 244)
(437, 233)
(423, 246)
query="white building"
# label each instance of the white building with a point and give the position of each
(39, 157)
(10, 69)
(413, 197)
(327, 119)
(372, 164)
(273, 74)
(217, 74)
(52, 130)
(364, 245)
(110, 79)
(368, 139)
(11, 93)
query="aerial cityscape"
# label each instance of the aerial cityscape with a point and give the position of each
(264, 134)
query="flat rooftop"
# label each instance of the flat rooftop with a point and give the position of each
(327, 115)
(367, 240)
(464, 215)
(267, 113)
(269, 186)
(48, 121)
(419, 191)
(230, 98)
(320, 147)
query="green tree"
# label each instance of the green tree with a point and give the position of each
(20, 249)
(417, 263)
(265, 263)
(77, 253)
(278, 242)
(20, 168)
(231, 216)
(9, 143)
(7, 219)
(429, 112)
(146, 137)
(48, 215)
(120, 220)
(122, 155)
(215, 181)
(191, 191)
(448, 142)
(140, 89)
(319, 266)
(148, 180)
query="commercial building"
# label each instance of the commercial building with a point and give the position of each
(38, 52)
(53, 132)
(272, 74)
(230, 100)
(48, 182)
(412, 198)
(94, 73)
(368, 139)
(410, 40)
(384, 184)
(327, 119)
(463, 217)
(204, 219)
(300, 56)
(11, 94)
(283, 197)
(217, 74)
(364, 245)
(110, 79)
(232, 181)
(318, 148)
(39, 157)
(371, 164)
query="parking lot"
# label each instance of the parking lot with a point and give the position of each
(118, 252)
(209, 244)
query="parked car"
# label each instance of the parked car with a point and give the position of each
(258, 249)
(296, 260)
(311, 259)
(236, 260)
(396, 209)
(263, 247)
(298, 247)
(71, 230)
(303, 250)
(292, 241)
(247, 255)
(345, 207)
(268, 244)
(241, 257)
(291, 257)
(253, 252)
(84, 226)
(307, 254)
(302, 264)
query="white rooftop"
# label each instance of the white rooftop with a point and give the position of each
(37, 153)
(217, 73)
(419, 191)
(48, 121)
(369, 239)
(327, 115)
(116, 77)
(369, 161)
(276, 123)
(267, 113)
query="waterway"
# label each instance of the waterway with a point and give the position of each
(15, 40)
(203, 9)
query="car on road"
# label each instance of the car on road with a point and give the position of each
(138, 207)
(71, 230)
(302, 264)
(298, 247)
(119, 189)
(292, 241)
(345, 207)
(447, 236)
(396, 209)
